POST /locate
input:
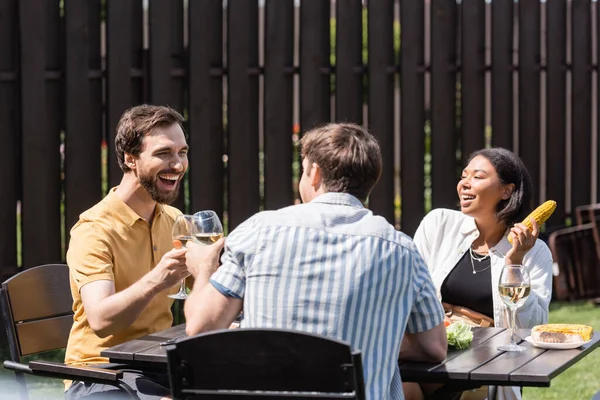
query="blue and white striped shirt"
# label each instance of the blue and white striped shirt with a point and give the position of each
(332, 268)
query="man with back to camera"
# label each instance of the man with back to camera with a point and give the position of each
(121, 258)
(328, 266)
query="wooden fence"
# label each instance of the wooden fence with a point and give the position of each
(433, 80)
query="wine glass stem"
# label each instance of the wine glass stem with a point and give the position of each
(182, 286)
(513, 325)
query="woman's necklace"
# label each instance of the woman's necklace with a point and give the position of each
(479, 258)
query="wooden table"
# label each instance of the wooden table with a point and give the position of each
(483, 364)
(480, 364)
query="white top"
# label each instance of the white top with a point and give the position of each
(445, 235)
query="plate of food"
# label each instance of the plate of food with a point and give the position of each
(560, 336)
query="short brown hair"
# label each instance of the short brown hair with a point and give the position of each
(348, 155)
(138, 122)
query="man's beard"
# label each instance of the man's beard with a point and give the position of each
(148, 182)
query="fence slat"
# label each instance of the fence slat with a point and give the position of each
(412, 114)
(167, 59)
(381, 101)
(597, 110)
(556, 33)
(83, 135)
(529, 90)
(40, 121)
(166, 53)
(205, 49)
(314, 59)
(124, 49)
(139, 55)
(9, 132)
(581, 102)
(473, 76)
(279, 62)
(242, 144)
(444, 166)
(348, 61)
(502, 73)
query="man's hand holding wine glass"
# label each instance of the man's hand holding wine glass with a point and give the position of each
(170, 270)
(203, 260)
(203, 253)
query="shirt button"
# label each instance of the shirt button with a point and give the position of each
(154, 247)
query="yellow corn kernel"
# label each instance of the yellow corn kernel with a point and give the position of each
(584, 331)
(540, 214)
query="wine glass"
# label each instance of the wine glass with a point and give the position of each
(514, 288)
(209, 230)
(184, 230)
(208, 227)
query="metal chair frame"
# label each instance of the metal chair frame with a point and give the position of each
(36, 307)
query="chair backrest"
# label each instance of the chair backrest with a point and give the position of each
(574, 250)
(264, 362)
(587, 213)
(590, 214)
(37, 310)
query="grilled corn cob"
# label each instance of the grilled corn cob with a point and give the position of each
(540, 214)
(561, 333)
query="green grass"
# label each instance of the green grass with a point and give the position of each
(581, 381)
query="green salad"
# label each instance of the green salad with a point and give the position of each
(459, 335)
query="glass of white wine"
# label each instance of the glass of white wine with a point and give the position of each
(208, 227)
(514, 288)
(184, 230)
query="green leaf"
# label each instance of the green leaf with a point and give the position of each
(459, 335)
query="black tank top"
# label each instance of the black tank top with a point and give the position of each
(464, 288)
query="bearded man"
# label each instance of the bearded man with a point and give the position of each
(121, 258)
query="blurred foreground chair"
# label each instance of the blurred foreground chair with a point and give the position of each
(37, 313)
(264, 364)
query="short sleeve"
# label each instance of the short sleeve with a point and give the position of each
(89, 256)
(427, 311)
(240, 247)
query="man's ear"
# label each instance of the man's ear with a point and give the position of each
(130, 161)
(315, 176)
(508, 191)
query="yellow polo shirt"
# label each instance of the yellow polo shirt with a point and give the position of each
(111, 242)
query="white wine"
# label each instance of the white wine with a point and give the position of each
(208, 238)
(514, 295)
(184, 239)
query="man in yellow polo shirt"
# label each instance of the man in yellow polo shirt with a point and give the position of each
(121, 257)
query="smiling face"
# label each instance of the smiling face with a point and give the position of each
(162, 163)
(480, 189)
